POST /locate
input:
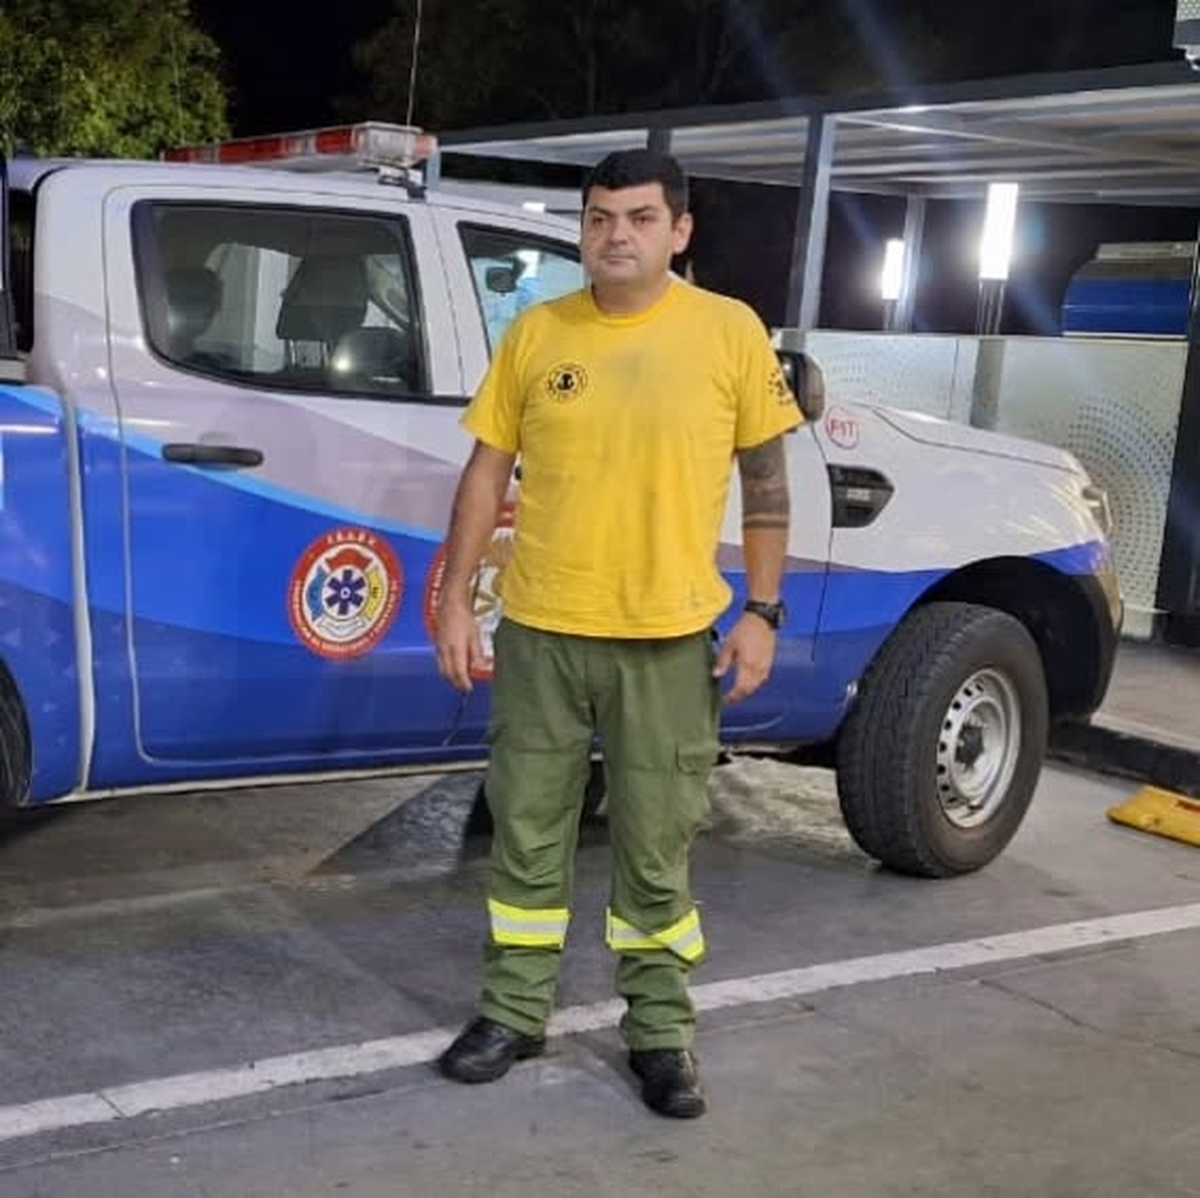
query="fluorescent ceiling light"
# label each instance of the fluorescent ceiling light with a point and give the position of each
(999, 221)
(891, 281)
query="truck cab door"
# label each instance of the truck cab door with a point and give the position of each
(289, 469)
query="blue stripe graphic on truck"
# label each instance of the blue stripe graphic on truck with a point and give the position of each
(37, 623)
(190, 622)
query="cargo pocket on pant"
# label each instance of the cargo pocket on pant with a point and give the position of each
(694, 761)
(696, 757)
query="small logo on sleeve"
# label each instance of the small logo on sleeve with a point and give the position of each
(566, 382)
(780, 390)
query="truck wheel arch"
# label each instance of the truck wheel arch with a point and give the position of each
(1065, 615)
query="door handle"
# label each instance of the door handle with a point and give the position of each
(194, 453)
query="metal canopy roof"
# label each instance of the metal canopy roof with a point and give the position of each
(1125, 135)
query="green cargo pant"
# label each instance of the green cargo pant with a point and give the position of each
(655, 706)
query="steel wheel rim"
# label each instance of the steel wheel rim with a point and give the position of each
(979, 745)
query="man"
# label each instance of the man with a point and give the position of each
(626, 402)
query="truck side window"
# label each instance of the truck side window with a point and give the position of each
(513, 270)
(282, 298)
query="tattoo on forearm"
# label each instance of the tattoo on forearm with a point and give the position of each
(765, 499)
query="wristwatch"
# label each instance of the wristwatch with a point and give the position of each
(773, 613)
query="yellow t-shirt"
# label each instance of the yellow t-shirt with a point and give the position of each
(626, 428)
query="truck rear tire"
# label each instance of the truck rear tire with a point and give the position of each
(16, 759)
(941, 753)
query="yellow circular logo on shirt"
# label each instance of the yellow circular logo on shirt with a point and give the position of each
(566, 381)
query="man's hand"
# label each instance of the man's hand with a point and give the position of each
(472, 523)
(459, 645)
(750, 647)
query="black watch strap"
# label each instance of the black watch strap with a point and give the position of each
(773, 613)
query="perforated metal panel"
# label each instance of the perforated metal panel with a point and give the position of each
(1114, 404)
(1188, 10)
(927, 374)
(1116, 407)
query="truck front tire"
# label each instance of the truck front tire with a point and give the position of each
(940, 755)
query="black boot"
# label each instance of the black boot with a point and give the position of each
(485, 1050)
(670, 1083)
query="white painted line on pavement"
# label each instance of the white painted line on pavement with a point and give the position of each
(418, 1048)
(72, 1110)
(937, 958)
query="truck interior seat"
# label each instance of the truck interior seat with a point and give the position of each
(193, 295)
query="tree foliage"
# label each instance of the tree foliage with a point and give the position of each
(495, 61)
(106, 77)
(483, 61)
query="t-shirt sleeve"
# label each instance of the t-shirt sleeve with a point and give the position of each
(766, 405)
(494, 413)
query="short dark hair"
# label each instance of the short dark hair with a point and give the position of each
(632, 168)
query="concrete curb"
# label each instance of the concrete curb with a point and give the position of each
(1109, 748)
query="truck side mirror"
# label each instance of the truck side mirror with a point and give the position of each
(500, 280)
(805, 379)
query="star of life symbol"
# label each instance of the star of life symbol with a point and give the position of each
(344, 593)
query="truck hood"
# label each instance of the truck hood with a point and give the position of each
(932, 431)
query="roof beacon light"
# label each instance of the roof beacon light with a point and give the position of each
(389, 149)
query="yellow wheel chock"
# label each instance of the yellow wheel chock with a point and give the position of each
(1162, 812)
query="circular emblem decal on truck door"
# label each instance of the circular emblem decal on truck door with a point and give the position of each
(344, 593)
(488, 609)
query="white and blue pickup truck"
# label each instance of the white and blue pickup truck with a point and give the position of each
(229, 441)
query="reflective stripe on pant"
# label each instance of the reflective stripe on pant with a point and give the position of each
(654, 704)
(544, 927)
(683, 938)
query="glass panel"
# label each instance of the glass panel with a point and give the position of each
(512, 271)
(308, 301)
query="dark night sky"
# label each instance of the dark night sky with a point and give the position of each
(287, 62)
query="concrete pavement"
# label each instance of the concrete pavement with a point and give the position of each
(1149, 726)
(1057, 1072)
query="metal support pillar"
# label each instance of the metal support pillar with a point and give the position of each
(812, 220)
(914, 237)
(985, 386)
(1179, 566)
(990, 311)
(659, 140)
